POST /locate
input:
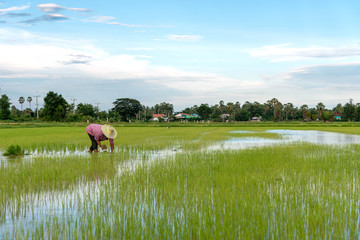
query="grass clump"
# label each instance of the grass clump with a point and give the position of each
(14, 151)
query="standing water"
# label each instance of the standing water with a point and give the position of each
(287, 136)
(64, 204)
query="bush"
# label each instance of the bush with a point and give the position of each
(14, 151)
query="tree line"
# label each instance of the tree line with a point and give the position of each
(56, 108)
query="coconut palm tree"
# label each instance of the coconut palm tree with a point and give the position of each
(278, 111)
(29, 99)
(293, 112)
(230, 109)
(288, 107)
(320, 108)
(21, 101)
(222, 107)
(276, 107)
(304, 108)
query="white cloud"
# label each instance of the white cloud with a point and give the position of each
(101, 19)
(109, 20)
(54, 59)
(139, 49)
(47, 18)
(51, 7)
(128, 25)
(19, 8)
(337, 75)
(327, 83)
(190, 38)
(82, 69)
(285, 52)
(79, 68)
(55, 16)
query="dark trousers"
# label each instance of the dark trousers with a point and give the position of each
(94, 144)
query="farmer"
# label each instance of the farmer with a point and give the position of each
(99, 133)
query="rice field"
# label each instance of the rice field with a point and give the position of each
(166, 183)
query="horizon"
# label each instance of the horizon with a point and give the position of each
(181, 52)
(33, 102)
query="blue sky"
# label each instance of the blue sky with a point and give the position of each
(181, 52)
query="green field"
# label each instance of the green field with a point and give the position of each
(162, 183)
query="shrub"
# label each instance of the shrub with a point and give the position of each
(14, 151)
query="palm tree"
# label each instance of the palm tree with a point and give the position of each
(222, 107)
(249, 107)
(304, 108)
(278, 111)
(230, 108)
(288, 107)
(320, 108)
(21, 101)
(29, 99)
(276, 107)
(293, 112)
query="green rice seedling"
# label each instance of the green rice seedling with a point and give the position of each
(295, 191)
(61, 138)
(44, 174)
(299, 191)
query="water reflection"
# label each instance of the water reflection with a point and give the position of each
(288, 136)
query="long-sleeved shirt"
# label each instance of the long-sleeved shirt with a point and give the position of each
(95, 130)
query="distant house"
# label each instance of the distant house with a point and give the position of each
(156, 117)
(256, 119)
(186, 116)
(159, 115)
(225, 116)
(337, 116)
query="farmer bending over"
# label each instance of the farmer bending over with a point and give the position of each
(99, 133)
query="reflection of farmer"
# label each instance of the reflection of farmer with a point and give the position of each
(99, 133)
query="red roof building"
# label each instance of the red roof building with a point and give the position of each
(159, 115)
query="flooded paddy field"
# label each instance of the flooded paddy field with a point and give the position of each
(185, 183)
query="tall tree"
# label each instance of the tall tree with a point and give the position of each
(249, 108)
(304, 109)
(216, 113)
(288, 107)
(55, 107)
(5, 112)
(127, 108)
(258, 109)
(230, 110)
(164, 108)
(338, 109)
(14, 112)
(276, 107)
(320, 108)
(349, 110)
(222, 107)
(357, 112)
(236, 110)
(278, 111)
(293, 112)
(29, 99)
(85, 109)
(204, 111)
(21, 101)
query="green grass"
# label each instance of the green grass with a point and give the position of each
(298, 191)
